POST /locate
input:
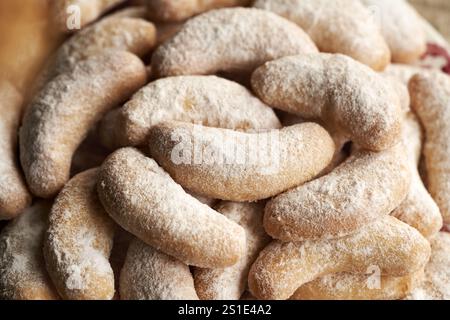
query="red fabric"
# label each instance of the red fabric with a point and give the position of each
(435, 50)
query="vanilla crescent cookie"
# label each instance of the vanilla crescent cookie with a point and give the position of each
(14, 195)
(418, 209)
(79, 240)
(338, 26)
(347, 95)
(430, 99)
(341, 152)
(402, 28)
(436, 284)
(61, 115)
(175, 10)
(236, 166)
(402, 72)
(231, 40)
(363, 189)
(207, 100)
(152, 275)
(230, 283)
(143, 199)
(401, 90)
(347, 286)
(23, 275)
(395, 248)
(111, 33)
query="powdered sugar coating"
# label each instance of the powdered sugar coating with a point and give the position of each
(143, 199)
(232, 40)
(401, 27)
(239, 166)
(14, 196)
(436, 285)
(111, 33)
(402, 92)
(61, 115)
(340, 91)
(79, 240)
(169, 10)
(230, 283)
(430, 97)
(22, 269)
(340, 141)
(152, 275)
(418, 209)
(392, 246)
(338, 26)
(347, 286)
(402, 72)
(363, 189)
(207, 100)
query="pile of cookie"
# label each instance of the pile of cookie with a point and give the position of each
(268, 149)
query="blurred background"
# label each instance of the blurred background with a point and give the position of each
(437, 12)
(27, 38)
